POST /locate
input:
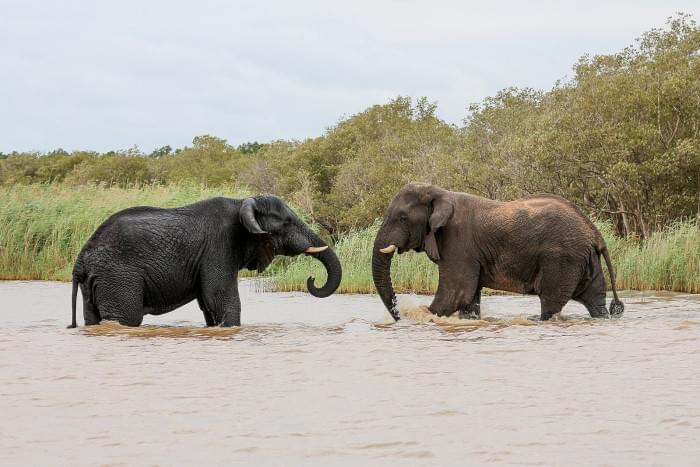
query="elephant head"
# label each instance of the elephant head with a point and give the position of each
(276, 230)
(414, 217)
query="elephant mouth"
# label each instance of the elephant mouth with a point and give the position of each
(415, 242)
(262, 254)
(393, 248)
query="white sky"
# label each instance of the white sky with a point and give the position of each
(109, 75)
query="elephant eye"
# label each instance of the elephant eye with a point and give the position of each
(403, 218)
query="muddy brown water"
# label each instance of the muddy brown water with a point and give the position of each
(307, 381)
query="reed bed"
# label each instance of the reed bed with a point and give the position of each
(668, 260)
(43, 227)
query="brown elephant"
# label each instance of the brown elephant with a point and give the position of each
(543, 245)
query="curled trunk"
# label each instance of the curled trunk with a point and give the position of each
(304, 240)
(381, 269)
(333, 269)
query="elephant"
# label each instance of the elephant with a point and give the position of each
(148, 260)
(541, 245)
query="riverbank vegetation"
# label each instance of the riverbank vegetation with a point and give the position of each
(43, 227)
(620, 138)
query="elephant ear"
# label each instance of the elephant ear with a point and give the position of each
(264, 253)
(247, 217)
(442, 212)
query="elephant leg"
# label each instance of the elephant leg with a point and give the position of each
(232, 309)
(593, 298)
(593, 294)
(208, 315)
(473, 309)
(559, 279)
(90, 314)
(225, 306)
(220, 298)
(458, 289)
(122, 302)
(549, 308)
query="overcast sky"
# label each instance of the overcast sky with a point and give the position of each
(110, 75)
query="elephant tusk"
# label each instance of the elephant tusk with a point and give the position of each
(315, 249)
(388, 250)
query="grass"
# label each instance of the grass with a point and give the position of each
(668, 260)
(43, 227)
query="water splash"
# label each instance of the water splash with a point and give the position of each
(422, 314)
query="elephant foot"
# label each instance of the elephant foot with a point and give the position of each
(471, 311)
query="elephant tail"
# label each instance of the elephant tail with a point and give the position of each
(76, 281)
(616, 306)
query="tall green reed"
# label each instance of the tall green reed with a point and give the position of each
(43, 227)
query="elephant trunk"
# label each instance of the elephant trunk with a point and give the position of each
(381, 274)
(330, 262)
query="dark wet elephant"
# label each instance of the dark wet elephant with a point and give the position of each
(541, 245)
(147, 260)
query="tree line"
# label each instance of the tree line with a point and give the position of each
(620, 138)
